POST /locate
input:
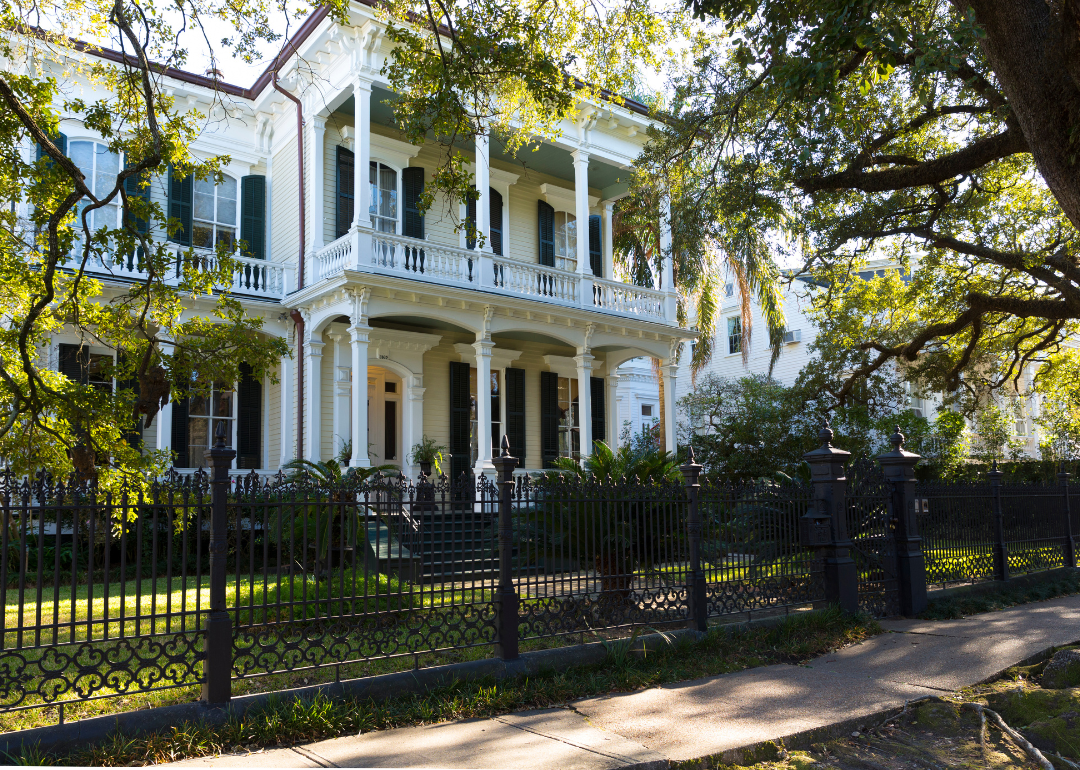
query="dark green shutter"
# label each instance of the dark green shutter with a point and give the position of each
(515, 413)
(133, 436)
(470, 223)
(495, 209)
(248, 420)
(460, 409)
(253, 215)
(135, 190)
(599, 418)
(179, 438)
(73, 364)
(549, 417)
(596, 253)
(545, 220)
(181, 197)
(60, 140)
(412, 180)
(346, 169)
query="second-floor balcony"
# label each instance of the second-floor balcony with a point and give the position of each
(255, 278)
(420, 260)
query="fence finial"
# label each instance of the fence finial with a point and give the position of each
(219, 435)
(897, 439)
(505, 446)
(826, 434)
(690, 453)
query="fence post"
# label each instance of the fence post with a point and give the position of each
(506, 598)
(1070, 546)
(899, 468)
(697, 610)
(217, 664)
(830, 496)
(1001, 554)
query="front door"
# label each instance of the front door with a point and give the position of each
(384, 417)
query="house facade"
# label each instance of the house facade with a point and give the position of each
(731, 341)
(399, 327)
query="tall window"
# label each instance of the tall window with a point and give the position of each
(384, 201)
(205, 411)
(496, 411)
(734, 335)
(100, 167)
(495, 394)
(569, 423)
(1020, 425)
(565, 239)
(214, 217)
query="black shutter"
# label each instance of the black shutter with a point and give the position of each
(346, 169)
(495, 214)
(248, 420)
(460, 408)
(179, 439)
(599, 418)
(181, 196)
(545, 220)
(135, 189)
(596, 253)
(549, 417)
(470, 223)
(515, 413)
(253, 215)
(73, 364)
(412, 181)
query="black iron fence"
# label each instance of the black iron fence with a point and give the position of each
(203, 580)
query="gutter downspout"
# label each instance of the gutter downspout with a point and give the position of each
(298, 319)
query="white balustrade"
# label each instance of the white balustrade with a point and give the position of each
(528, 280)
(420, 259)
(334, 258)
(616, 297)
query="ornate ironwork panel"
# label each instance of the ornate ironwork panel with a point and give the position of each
(870, 528)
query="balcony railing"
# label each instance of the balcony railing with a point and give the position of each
(389, 254)
(252, 277)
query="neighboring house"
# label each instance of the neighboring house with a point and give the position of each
(731, 341)
(638, 397)
(445, 339)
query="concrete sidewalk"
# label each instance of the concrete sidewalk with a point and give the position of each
(694, 719)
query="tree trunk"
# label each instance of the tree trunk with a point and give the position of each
(1032, 51)
(658, 372)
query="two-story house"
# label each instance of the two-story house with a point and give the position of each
(400, 327)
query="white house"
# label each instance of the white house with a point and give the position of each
(731, 341)
(400, 328)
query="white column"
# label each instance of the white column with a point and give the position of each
(483, 406)
(362, 156)
(413, 429)
(165, 415)
(342, 393)
(482, 179)
(618, 418)
(581, 214)
(313, 363)
(669, 371)
(667, 280)
(318, 212)
(611, 404)
(359, 332)
(584, 361)
(288, 447)
(606, 218)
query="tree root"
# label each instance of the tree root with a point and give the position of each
(1020, 740)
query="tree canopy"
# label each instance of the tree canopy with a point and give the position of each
(940, 135)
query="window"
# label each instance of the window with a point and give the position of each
(569, 423)
(565, 239)
(646, 410)
(496, 414)
(734, 335)
(100, 168)
(214, 215)
(1020, 425)
(729, 290)
(916, 403)
(205, 411)
(384, 198)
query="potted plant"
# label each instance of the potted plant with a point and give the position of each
(428, 455)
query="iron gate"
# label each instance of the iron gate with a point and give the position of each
(870, 528)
